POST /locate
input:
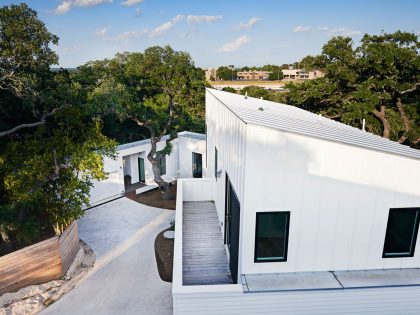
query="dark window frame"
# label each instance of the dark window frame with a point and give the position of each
(216, 157)
(162, 165)
(414, 238)
(194, 161)
(286, 241)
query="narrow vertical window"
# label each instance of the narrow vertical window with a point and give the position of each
(162, 165)
(215, 162)
(271, 236)
(197, 165)
(401, 232)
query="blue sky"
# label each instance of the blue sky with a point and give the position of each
(218, 32)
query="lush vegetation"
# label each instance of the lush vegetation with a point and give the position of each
(159, 90)
(51, 148)
(378, 81)
(56, 125)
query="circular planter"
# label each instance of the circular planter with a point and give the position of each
(164, 252)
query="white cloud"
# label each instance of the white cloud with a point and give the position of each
(126, 36)
(161, 29)
(302, 29)
(235, 45)
(203, 18)
(67, 5)
(339, 31)
(250, 23)
(63, 7)
(129, 3)
(103, 32)
(342, 31)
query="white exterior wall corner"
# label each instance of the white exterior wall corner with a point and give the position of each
(338, 196)
(227, 133)
(187, 146)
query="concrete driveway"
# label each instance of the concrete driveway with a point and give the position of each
(124, 279)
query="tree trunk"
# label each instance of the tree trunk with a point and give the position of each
(404, 118)
(153, 158)
(385, 123)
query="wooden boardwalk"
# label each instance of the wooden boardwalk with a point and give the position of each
(204, 256)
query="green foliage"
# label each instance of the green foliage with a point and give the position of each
(375, 81)
(229, 89)
(226, 73)
(47, 170)
(140, 86)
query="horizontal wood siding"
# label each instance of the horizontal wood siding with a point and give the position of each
(39, 263)
(383, 301)
(69, 245)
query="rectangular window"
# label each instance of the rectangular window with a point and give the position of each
(271, 236)
(215, 162)
(162, 165)
(197, 165)
(401, 232)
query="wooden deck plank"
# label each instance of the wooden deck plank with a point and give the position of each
(204, 257)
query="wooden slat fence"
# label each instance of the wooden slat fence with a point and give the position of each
(39, 263)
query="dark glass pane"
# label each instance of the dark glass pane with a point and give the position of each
(271, 238)
(401, 232)
(197, 165)
(215, 162)
(162, 165)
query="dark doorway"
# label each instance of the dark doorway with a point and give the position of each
(232, 219)
(197, 165)
(142, 177)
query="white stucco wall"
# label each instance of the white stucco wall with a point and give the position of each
(338, 195)
(226, 132)
(186, 147)
(133, 153)
(127, 163)
(110, 188)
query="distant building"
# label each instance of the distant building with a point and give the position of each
(211, 74)
(301, 74)
(253, 75)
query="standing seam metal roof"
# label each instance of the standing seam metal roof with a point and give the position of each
(296, 120)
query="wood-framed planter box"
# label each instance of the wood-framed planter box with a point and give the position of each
(41, 262)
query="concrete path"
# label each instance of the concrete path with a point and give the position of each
(124, 279)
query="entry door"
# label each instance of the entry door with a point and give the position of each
(197, 165)
(141, 170)
(232, 217)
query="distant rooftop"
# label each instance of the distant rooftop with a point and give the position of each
(296, 120)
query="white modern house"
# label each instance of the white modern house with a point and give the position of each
(131, 170)
(296, 214)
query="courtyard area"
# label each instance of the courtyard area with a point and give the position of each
(125, 278)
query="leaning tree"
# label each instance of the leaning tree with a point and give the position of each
(160, 90)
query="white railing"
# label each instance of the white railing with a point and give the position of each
(192, 189)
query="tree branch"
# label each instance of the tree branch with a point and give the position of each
(381, 116)
(171, 114)
(143, 124)
(410, 90)
(31, 125)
